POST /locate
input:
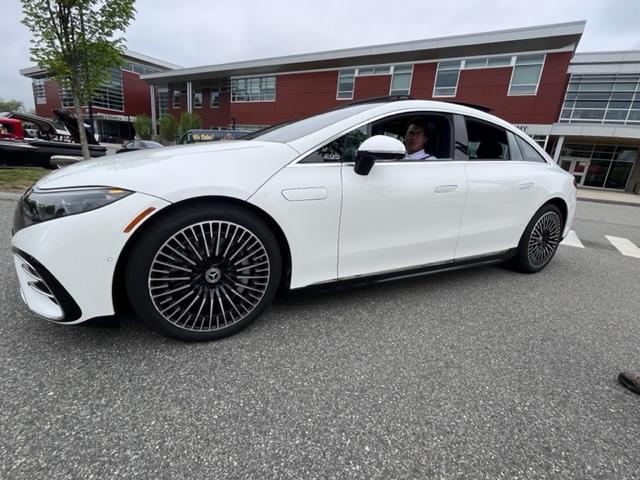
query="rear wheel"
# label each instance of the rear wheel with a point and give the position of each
(540, 240)
(204, 272)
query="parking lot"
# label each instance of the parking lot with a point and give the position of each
(482, 373)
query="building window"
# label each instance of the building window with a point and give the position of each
(39, 92)
(540, 140)
(600, 166)
(447, 79)
(109, 95)
(66, 98)
(401, 80)
(379, 70)
(253, 89)
(163, 102)
(176, 99)
(526, 74)
(597, 98)
(197, 98)
(215, 98)
(486, 62)
(139, 68)
(346, 83)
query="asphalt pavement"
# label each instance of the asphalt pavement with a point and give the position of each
(482, 373)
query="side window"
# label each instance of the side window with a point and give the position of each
(427, 136)
(513, 147)
(487, 141)
(342, 149)
(528, 152)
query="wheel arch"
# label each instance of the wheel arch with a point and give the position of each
(562, 206)
(118, 290)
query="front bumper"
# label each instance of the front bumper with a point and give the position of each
(66, 266)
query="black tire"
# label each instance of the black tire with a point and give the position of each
(540, 240)
(222, 258)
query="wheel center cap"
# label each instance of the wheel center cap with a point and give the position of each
(213, 275)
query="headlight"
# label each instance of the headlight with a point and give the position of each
(42, 205)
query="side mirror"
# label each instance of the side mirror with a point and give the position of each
(378, 147)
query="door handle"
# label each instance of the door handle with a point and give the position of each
(445, 188)
(525, 185)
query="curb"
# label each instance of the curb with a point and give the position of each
(610, 202)
(10, 196)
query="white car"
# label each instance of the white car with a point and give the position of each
(199, 238)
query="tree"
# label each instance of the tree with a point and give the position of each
(11, 106)
(75, 41)
(188, 121)
(143, 126)
(168, 128)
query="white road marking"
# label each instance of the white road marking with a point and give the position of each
(572, 240)
(625, 246)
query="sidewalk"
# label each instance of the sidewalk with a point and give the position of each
(602, 196)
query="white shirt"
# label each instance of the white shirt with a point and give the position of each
(419, 155)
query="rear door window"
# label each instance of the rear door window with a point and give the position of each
(487, 141)
(529, 153)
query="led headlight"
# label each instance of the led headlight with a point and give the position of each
(42, 205)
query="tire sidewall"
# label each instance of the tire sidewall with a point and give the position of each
(147, 246)
(522, 255)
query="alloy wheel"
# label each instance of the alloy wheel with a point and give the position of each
(544, 239)
(209, 276)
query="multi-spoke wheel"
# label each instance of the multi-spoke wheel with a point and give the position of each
(205, 272)
(540, 240)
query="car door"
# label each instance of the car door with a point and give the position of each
(403, 214)
(503, 191)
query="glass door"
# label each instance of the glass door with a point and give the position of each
(577, 167)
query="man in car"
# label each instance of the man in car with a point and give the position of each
(415, 139)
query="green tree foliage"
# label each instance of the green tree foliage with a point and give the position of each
(188, 121)
(168, 128)
(143, 126)
(76, 42)
(11, 106)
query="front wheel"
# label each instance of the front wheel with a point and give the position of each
(204, 272)
(540, 240)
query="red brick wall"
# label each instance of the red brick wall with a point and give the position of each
(374, 86)
(52, 94)
(137, 98)
(303, 94)
(424, 76)
(297, 95)
(489, 87)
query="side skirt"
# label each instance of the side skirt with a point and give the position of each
(476, 261)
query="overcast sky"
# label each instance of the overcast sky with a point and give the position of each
(205, 32)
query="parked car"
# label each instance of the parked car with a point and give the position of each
(134, 145)
(200, 238)
(53, 139)
(197, 136)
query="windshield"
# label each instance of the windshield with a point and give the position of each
(292, 130)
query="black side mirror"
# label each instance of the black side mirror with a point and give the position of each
(364, 163)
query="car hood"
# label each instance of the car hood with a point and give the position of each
(235, 169)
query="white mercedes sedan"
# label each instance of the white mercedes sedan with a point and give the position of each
(198, 239)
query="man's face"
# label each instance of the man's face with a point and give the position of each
(414, 139)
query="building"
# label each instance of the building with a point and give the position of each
(116, 104)
(583, 108)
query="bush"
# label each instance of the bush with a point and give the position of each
(188, 121)
(143, 126)
(168, 128)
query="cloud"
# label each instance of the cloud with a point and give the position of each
(202, 32)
